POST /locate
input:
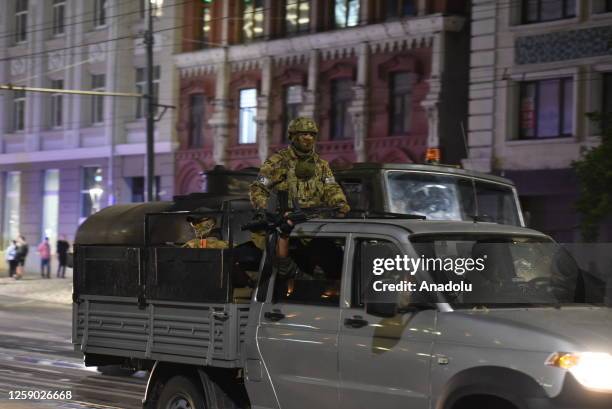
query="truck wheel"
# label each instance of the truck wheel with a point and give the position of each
(181, 393)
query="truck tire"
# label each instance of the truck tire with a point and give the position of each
(181, 393)
(483, 402)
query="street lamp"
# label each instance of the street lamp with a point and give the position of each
(156, 6)
(95, 193)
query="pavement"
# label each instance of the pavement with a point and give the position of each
(32, 286)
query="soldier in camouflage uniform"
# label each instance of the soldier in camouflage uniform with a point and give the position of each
(202, 228)
(300, 172)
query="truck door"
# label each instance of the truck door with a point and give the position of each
(298, 326)
(384, 362)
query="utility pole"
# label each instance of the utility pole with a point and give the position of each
(150, 155)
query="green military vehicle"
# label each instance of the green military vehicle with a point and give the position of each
(435, 191)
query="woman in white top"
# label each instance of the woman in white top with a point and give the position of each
(10, 254)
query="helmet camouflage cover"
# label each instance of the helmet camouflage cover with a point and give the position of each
(302, 125)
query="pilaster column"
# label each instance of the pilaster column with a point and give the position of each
(432, 100)
(315, 12)
(310, 105)
(270, 16)
(225, 19)
(264, 130)
(359, 106)
(433, 131)
(119, 75)
(364, 12)
(5, 97)
(119, 78)
(483, 92)
(35, 113)
(78, 110)
(169, 87)
(421, 7)
(220, 119)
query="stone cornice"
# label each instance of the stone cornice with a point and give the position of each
(388, 36)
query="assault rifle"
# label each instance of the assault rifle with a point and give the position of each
(269, 222)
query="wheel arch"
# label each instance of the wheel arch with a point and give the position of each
(217, 384)
(159, 375)
(499, 382)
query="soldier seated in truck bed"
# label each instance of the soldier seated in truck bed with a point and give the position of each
(206, 237)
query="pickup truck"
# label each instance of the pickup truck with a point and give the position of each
(230, 328)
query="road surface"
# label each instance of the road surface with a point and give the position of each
(36, 357)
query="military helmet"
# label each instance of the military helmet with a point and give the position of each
(302, 124)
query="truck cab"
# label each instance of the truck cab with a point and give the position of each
(435, 191)
(311, 330)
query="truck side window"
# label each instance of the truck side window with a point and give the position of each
(311, 274)
(367, 250)
(358, 192)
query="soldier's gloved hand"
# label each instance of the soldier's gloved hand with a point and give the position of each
(285, 228)
(343, 209)
(296, 217)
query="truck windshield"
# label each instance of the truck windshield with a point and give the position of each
(448, 197)
(502, 271)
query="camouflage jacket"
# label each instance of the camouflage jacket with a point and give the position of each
(206, 243)
(278, 173)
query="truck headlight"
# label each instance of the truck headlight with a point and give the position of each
(592, 369)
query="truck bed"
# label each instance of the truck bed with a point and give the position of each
(191, 333)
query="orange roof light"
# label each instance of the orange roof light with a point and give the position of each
(432, 155)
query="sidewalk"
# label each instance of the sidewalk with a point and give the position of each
(32, 286)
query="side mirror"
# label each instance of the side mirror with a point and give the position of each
(380, 303)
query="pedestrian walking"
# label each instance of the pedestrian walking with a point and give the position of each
(11, 257)
(22, 254)
(62, 248)
(44, 249)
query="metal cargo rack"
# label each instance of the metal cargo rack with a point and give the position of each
(139, 295)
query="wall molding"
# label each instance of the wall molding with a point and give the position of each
(102, 152)
(383, 37)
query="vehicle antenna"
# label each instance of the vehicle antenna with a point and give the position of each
(467, 152)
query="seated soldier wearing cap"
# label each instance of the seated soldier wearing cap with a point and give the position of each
(203, 228)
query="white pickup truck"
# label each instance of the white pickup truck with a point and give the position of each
(228, 328)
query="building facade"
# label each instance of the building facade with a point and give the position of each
(385, 80)
(62, 156)
(537, 67)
